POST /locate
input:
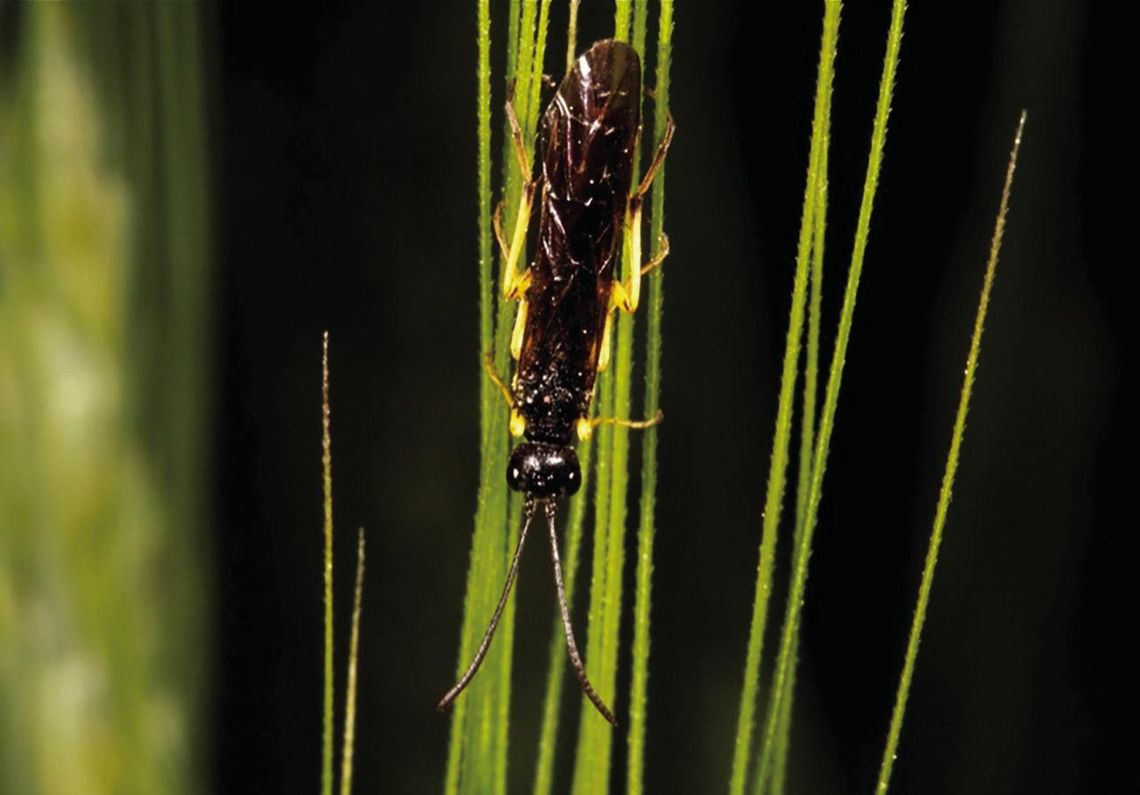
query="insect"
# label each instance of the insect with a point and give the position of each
(561, 337)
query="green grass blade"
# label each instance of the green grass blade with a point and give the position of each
(637, 36)
(807, 439)
(572, 35)
(346, 751)
(646, 528)
(326, 486)
(595, 736)
(834, 381)
(777, 471)
(506, 640)
(587, 753)
(530, 62)
(556, 672)
(490, 519)
(477, 756)
(536, 68)
(487, 395)
(623, 13)
(945, 493)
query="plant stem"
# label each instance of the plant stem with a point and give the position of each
(777, 471)
(807, 438)
(835, 379)
(572, 35)
(353, 658)
(552, 703)
(646, 527)
(946, 491)
(326, 482)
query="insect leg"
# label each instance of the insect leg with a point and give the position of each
(515, 283)
(517, 424)
(659, 257)
(658, 157)
(571, 646)
(485, 644)
(518, 331)
(627, 296)
(604, 351)
(489, 366)
(497, 222)
(586, 426)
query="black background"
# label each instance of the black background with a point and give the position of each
(345, 152)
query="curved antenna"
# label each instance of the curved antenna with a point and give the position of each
(571, 646)
(485, 644)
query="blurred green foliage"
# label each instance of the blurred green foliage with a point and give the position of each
(103, 275)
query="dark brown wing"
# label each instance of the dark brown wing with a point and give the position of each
(589, 133)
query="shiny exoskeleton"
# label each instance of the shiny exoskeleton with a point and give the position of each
(569, 292)
(589, 134)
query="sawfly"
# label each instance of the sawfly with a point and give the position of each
(561, 337)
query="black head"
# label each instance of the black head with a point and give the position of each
(544, 470)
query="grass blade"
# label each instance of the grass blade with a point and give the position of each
(945, 493)
(834, 381)
(572, 35)
(646, 527)
(587, 753)
(777, 471)
(353, 658)
(807, 439)
(487, 396)
(326, 484)
(556, 673)
(595, 737)
(477, 756)
(483, 543)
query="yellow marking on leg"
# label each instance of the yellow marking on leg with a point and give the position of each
(635, 255)
(627, 296)
(518, 423)
(585, 429)
(489, 366)
(497, 222)
(604, 352)
(518, 331)
(514, 282)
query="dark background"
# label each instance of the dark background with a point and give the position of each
(345, 151)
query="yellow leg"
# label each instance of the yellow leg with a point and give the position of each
(517, 423)
(627, 296)
(518, 331)
(489, 366)
(586, 425)
(604, 353)
(497, 222)
(515, 282)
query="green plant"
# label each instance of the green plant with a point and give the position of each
(944, 494)
(104, 397)
(327, 719)
(478, 744)
(774, 738)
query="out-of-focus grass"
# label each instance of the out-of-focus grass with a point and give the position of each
(103, 229)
